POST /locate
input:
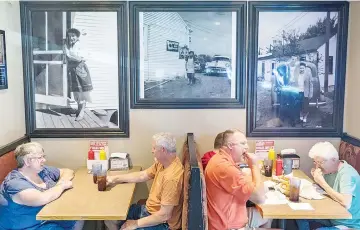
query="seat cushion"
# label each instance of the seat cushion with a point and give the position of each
(7, 164)
(351, 154)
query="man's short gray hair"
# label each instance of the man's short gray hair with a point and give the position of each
(227, 134)
(324, 150)
(24, 149)
(165, 140)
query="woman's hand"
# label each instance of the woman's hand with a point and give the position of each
(66, 184)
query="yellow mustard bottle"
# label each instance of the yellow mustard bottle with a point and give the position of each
(102, 154)
(272, 156)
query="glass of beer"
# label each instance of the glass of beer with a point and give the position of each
(96, 169)
(268, 167)
(101, 180)
(294, 189)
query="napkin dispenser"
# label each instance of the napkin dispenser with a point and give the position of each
(119, 161)
(291, 153)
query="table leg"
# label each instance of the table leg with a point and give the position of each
(282, 224)
(100, 225)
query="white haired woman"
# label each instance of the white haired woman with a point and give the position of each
(340, 181)
(27, 189)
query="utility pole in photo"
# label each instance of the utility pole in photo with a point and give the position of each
(328, 35)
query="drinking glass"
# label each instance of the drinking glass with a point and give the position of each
(96, 169)
(287, 166)
(268, 167)
(101, 180)
(294, 189)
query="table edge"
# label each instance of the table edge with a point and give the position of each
(87, 217)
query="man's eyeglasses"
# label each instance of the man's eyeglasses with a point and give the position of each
(239, 143)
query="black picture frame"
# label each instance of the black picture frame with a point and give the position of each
(255, 8)
(3, 61)
(121, 130)
(237, 101)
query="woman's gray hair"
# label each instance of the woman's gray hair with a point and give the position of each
(165, 140)
(24, 149)
(324, 150)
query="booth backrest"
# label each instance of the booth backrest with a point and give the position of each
(350, 151)
(7, 158)
(195, 203)
(185, 157)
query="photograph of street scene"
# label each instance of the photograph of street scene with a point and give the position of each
(187, 55)
(296, 69)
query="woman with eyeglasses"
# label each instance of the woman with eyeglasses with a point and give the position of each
(27, 189)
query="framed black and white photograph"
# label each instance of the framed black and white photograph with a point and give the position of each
(187, 54)
(296, 66)
(75, 72)
(3, 64)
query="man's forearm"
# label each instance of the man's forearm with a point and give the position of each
(255, 171)
(134, 177)
(152, 220)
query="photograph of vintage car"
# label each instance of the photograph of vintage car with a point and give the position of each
(219, 66)
(296, 69)
(199, 66)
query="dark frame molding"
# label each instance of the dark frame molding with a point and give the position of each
(4, 86)
(254, 8)
(191, 103)
(12, 146)
(350, 139)
(26, 8)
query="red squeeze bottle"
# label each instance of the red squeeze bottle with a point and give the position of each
(279, 166)
(91, 155)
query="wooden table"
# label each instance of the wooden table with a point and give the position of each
(85, 202)
(323, 209)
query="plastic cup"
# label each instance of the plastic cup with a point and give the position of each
(294, 189)
(287, 164)
(101, 180)
(268, 167)
(96, 169)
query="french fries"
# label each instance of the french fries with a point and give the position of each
(281, 179)
(283, 184)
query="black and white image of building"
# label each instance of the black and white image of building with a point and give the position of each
(2, 50)
(187, 55)
(3, 64)
(296, 69)
(75, 69)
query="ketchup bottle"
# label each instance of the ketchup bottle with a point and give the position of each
(279, 166)
(91, 155)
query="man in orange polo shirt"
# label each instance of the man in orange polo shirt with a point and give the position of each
(228, 188)
(163, 207)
